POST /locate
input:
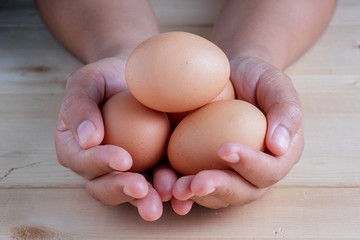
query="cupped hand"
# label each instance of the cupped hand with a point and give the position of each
(79, 135)
(272, 91)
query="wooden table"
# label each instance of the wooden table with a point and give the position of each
(39, 199)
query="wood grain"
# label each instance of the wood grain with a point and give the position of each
(39, 199)
(298, 213)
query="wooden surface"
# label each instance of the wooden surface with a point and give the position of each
(39, 199)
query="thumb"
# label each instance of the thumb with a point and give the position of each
(284, 120)
(80, 111)
(280, 102)
(272, 91)
(84, 121)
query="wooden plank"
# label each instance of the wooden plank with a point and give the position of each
(329, 95)
(331, 105)
(20, 17)
(329, 101)
(27, 155)
(327, 160)
(39, 199)
(28, 121)
(35, 55)
(299, 213)
(41, 64)
(331, 154)
(33, 61)
(346, 13)
(336, 52)
(30, 105)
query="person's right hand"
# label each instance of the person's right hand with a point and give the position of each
(80, 132)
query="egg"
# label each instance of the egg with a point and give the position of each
(176, 72)
(142, 131)
(226, 94)
(194, 143)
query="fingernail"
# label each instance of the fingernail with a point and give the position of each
(123, 165)
(189, 196)
(210, 191)
(61, 126)
(232, 158)
(282, 137)
(126, 192)
(85, 130)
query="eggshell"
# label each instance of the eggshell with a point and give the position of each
(194, 143)
(176, 72)
(226, 94)
(142, 131)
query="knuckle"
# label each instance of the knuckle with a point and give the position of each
(76, 169)
(58, 146)
(294, 113)
(81, 74)
(67, 105)
(274, 177)
(88, 80)
(92, 190)
(62, 162)
(89, 188)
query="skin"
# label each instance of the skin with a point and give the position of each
(260, 38)
(103, 42)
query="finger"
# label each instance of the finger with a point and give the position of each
(210, 201)
(272, 91)
(218, 189)
(150, 207)
(86, 89)
(116, 188)
(281, 105)
(92, 162)
(80, 111)
(182, 188)
(181, 207)
(164, 178)
(259, 168)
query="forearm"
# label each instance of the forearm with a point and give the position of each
(275, 31)
(93, 29)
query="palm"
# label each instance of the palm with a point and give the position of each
(272, 91)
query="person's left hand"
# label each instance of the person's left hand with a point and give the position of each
(269, 89)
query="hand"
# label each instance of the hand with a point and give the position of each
(80, 132)
(272, 91)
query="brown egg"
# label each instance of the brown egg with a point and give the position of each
(226, 94)
(142, 131)
(176, 72)
(194, 143)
